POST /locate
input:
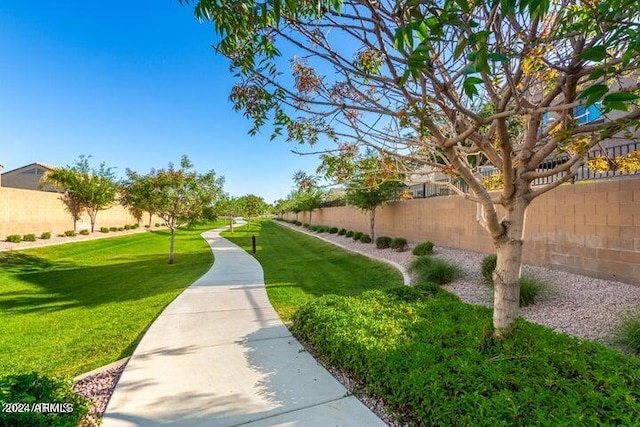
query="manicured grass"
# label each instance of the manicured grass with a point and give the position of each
(70, 308)
(299, 268)
(432, 359)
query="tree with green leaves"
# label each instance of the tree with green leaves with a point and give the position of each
(228, 206)
(372, 186)
(447, 85)
(307, 196)
(181, 196)
(252, 206)
(84, 187)
(135, 193)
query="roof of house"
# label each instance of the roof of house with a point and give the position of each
(42, 165)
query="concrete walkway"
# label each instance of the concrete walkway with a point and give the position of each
(219, 356)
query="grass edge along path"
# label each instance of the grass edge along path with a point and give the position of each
(299, 268)
(70, 308)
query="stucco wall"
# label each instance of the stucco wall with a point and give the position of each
(30, 211)
(589, 228)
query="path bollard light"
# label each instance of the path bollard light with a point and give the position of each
(253, 244)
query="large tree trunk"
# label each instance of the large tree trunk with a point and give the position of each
(506, 276)
(171, 244)
(150, 217)
(372, 222)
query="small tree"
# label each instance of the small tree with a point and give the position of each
(252, 206)
(181, 196)
(307, 196)
(373, 186)
(228, 206)
(135, 193)
(85, 187)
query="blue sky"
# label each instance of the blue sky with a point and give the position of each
(133, 84)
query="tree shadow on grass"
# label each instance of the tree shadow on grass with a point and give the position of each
(20, 262)
(64, 286)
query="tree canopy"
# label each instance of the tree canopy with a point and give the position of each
(178, 196)
(443, 85)
(85, 187)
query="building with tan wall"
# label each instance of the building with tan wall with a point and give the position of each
(590, 228)
(27, 177)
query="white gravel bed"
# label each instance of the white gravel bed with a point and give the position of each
(581, 306)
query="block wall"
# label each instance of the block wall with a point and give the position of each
(31, 211)
(590, 228)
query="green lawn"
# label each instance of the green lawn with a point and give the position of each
(70, 308)
(299, 268)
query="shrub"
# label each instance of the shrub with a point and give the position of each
(84, 232)
(305, 225)
(136, 225)
(365, 238)
(399, 244)
(457, 373)
(46, 235)
(298, 223)
(488, 266)
(425, 248)
(530, 288)
(70, 233)
(342, 232)
(35, 388)
(357, 235)
(383, 242)
(158, 224)
(127, 227)
(29, 237)
(120, 228)
(429, 269)
(106, 229)
(627, 333)
(113, 228)
(333, 230)
(348, 234)
(145, 226)
(14, 238)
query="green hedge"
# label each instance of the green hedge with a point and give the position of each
(434, 362)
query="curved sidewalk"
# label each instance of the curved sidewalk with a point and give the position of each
(219, 355)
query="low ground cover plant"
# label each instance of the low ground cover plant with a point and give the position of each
(104, 229)
(84, 232)
(70, 233)
(33, 389)
(383, 242)
(430, 269)
(425, 248)
(434, 362)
